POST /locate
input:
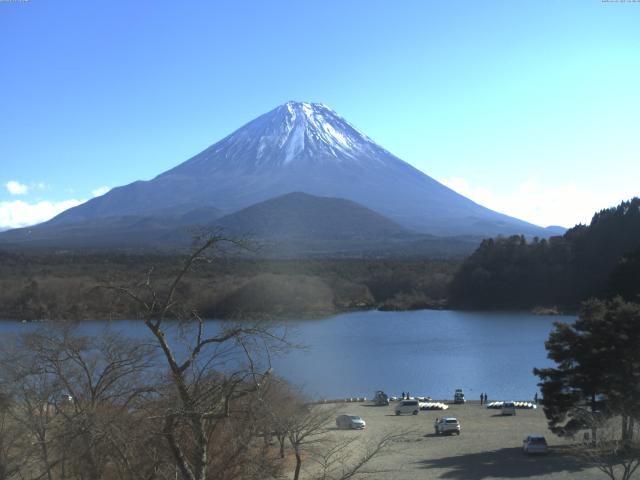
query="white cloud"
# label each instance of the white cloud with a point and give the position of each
(100, 191)
(565, 204)
(17, 213)
(479, 195)
(16, 188)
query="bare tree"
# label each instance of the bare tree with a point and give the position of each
(204, 386)
(190, 400)
(13, 442)
(280, 404)
(33, 394)
(102, 378)
(73, 394)
(306, 430)
(348, 458)
(615, 451)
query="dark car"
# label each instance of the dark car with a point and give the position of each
(534, 444)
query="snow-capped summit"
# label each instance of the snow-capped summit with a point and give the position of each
(309, 148)
(296, 132)
(313, 130)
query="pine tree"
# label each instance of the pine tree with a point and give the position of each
(598, 368)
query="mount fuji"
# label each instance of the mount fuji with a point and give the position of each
(297, 147)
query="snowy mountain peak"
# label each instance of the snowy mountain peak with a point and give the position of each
(306, 108)
(316, 129)
(295, 133)
(301, 147)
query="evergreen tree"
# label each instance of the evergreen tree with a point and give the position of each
(597, 260)
(598, 368)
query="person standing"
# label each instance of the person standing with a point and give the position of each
(403, 395)
(535, 398)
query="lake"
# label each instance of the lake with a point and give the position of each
(425, 352)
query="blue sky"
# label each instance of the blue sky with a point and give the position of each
(530, 108)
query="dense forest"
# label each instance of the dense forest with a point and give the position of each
(65, 285)
(601, 259)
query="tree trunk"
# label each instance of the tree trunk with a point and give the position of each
(296, 474)
(179, 457)
(201, 449)
(45, 456)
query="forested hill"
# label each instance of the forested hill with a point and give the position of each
(601, 259)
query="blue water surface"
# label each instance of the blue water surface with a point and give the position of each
(424, 352)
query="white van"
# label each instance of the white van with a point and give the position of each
(408, 406)
(508, 408)
(350, 421)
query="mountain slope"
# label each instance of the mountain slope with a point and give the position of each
(306, 148)
(300, 215)
(127, 231)
(294, 225)
(299, 225)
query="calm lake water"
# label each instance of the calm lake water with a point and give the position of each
(425, 352)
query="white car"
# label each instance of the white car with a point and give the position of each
(408, 406)
(447, 425)
(351, 422)
(534, 444)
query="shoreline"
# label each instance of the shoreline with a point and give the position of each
(391, 351)
(311, 315)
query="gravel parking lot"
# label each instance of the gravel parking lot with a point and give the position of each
(490, 445)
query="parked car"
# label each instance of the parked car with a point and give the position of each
(380, 398)
(350, 422)
(534, 444)
(458, 396)
(508, 408)
(448, 425)
(408, 406)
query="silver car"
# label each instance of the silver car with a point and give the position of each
(351, 422)
(447, 425)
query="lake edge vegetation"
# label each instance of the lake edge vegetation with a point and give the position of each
(62, 286)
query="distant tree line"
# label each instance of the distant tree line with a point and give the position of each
(62, 286)
(597, 260)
